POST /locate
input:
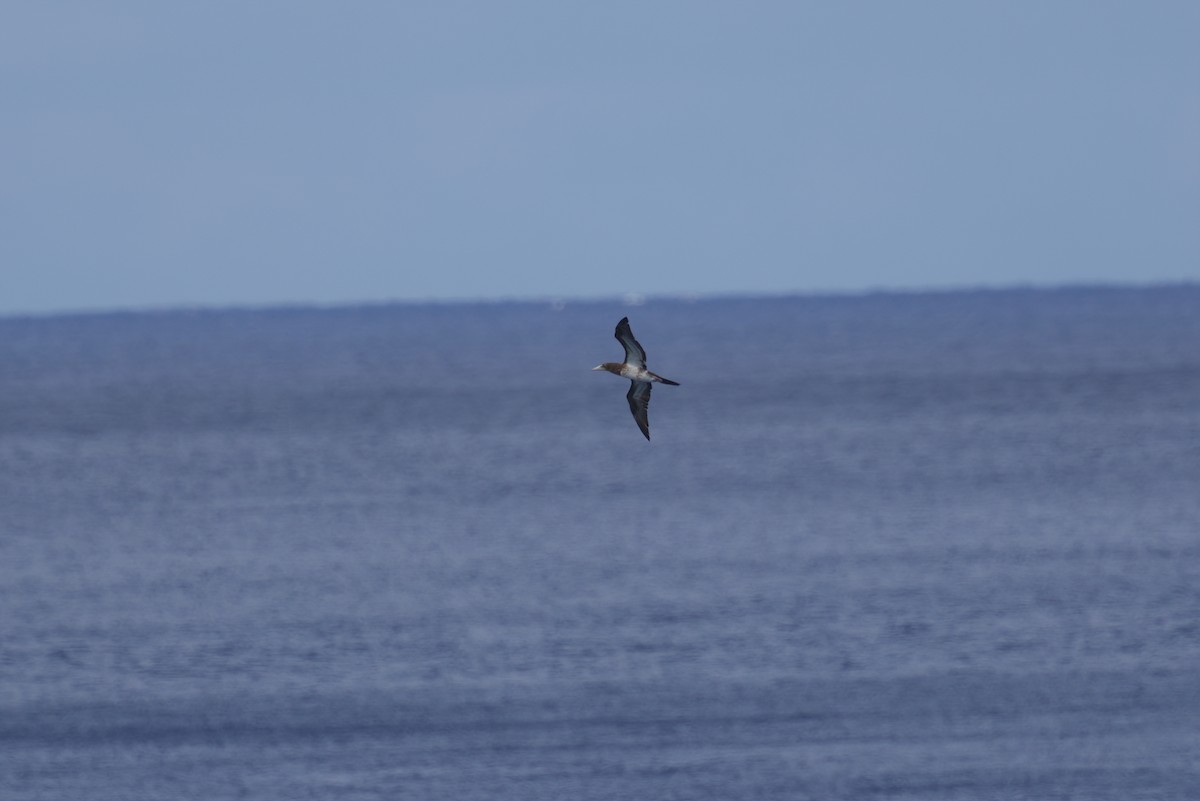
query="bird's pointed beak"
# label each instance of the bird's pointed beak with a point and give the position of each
(598, 367)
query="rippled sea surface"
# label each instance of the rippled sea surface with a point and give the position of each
(939, 546)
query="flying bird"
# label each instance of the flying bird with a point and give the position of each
(640, 379)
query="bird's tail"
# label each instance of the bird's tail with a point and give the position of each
(662, 380)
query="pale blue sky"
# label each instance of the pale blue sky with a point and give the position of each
(164, 154)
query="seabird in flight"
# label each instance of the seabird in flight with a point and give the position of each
(640, 379)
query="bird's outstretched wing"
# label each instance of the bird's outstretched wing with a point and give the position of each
(639, 403)
(634, 355)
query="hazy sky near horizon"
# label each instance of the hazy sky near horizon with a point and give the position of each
(167, 154)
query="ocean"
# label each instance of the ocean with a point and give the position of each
(885, 546)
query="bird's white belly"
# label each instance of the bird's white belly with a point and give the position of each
(633, 373)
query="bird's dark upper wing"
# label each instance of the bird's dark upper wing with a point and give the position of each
(634, 354)
(639, 403)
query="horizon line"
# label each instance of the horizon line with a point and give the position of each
(560, 301)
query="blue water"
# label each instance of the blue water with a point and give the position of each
(940, 546)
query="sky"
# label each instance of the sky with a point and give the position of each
(255, 153)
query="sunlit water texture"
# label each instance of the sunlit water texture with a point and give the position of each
(897, 546)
